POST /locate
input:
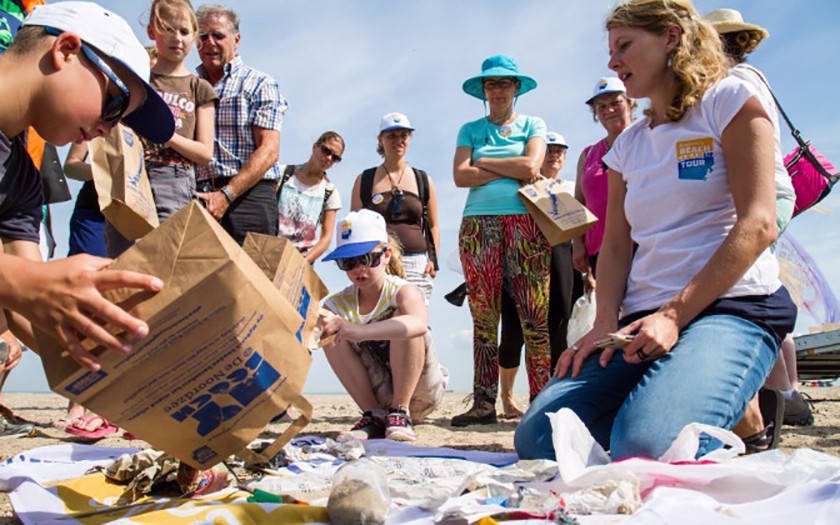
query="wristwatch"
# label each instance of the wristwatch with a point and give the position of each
(228, 193)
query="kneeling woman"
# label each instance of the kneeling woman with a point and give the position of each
(382, 353)
(701, 291)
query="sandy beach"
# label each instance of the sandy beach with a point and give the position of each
(333, 413)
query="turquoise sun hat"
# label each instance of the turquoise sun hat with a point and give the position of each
(498, 66)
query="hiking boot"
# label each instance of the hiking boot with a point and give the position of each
(9, 429)
(798, 410)
(399, 427)
(483, 412)
(369, 426)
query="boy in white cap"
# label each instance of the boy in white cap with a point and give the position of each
(73, 71)
(383, 352)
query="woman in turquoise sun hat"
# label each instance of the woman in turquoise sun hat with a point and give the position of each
(495, 155)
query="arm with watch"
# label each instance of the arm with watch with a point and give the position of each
(264, 156)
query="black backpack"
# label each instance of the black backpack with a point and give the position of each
(366, 194)
(289, 172)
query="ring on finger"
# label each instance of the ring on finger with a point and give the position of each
(644, 356)
(574, 348)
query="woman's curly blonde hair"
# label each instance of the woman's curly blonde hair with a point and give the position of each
(698, 60)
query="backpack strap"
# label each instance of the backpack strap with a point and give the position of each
(287, 174)
(366, 187)
(328, 191)
(423, 192)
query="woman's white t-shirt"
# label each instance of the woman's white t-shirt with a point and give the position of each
(679, 203)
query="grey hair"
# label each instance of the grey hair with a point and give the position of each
(211, 10)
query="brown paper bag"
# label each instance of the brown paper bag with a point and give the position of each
(119, 174)
(221, 359)
(558, 214)
(281, 262)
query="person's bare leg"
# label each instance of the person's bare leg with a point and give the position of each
(751, 422)
(783, 374)
(348, 367)
(507, 378)
(407, 359)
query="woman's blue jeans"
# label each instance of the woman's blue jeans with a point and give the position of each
(716, 367)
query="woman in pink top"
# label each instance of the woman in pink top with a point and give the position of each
(614, 110)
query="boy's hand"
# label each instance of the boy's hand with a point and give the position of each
(64, 299)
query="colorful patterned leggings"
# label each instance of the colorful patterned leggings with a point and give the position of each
(489, 245)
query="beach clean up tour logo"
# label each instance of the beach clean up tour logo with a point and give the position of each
(695, 158)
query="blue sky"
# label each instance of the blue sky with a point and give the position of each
(342, 65)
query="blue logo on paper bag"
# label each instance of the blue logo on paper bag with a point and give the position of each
(85, 382)
(303, 307)
(225, 399)
(128, 137)
(695, 158)
(203, 455)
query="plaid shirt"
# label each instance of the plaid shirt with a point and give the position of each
(247, 98)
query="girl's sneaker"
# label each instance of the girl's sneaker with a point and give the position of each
(370, 426)
(399, 427)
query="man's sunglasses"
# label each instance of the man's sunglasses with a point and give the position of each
(114, 107)
(368, 260)
(217, 36)
(330, 154)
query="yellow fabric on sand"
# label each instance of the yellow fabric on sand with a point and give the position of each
(95, 492)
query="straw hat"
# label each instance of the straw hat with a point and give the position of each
(498, 66)
(730, 21)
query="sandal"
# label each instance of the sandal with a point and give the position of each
(771, 403)
(80, 427)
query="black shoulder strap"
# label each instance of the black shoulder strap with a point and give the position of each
(366, 187)
(793, 131)
(423, 192)
(287, 174)
(422, 188)
(328, 191)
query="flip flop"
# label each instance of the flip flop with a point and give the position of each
(104, 429)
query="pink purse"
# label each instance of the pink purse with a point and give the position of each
(811, 173)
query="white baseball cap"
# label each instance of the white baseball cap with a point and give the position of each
(552, 138)
(112, 36)
(394, 121)
(606, 85)
(357, 234)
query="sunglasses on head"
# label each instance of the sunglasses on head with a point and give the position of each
(330, 154)
(368, 260)
(114, 107)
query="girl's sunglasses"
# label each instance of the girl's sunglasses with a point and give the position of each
(368, 260)
(115, 107)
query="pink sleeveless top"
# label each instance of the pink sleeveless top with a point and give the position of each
(594, 187)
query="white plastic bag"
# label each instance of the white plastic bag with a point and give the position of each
(583, 317)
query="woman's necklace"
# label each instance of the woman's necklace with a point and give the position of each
(394, 185)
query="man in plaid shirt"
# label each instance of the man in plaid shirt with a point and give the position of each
(238, 184)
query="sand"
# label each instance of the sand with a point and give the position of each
(335, 413)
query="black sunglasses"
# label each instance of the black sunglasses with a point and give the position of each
(114, 108)
(368, 260)
(397, 199)
(330, 153)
